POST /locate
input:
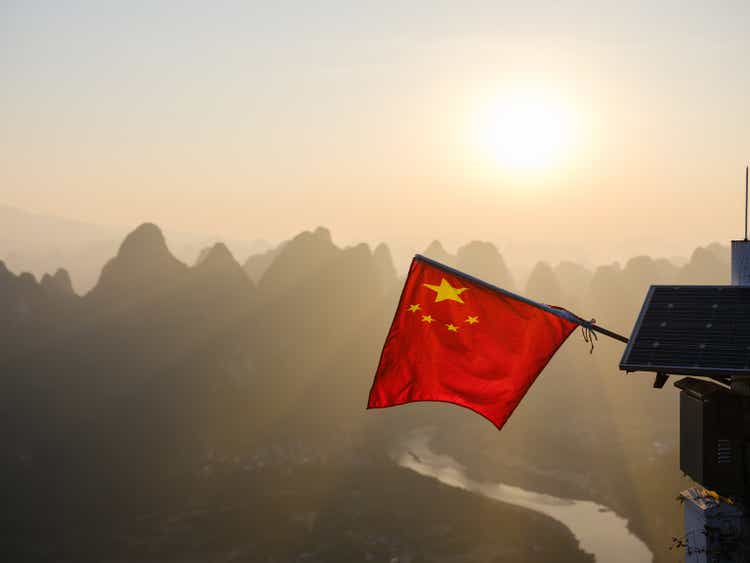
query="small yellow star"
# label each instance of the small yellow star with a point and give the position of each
(452, 327)
(427, 319)
(414, 308)
(472, 320)
(446, 291)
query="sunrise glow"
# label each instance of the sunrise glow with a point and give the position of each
(524, 131)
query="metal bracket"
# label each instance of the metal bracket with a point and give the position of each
(660, 379)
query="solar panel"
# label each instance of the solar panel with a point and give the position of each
(692, 330)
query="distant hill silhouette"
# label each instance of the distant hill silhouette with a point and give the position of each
(485, 262)
(304, 256)
(40, 243)
(436, 251)
(32, 312)
(543, 285)
(480, 259)
(220, 272)
(144, 265)
(206, 395)
(574, 280)
(383, 265)
(59, 283)
(257, 264)
(111, 420)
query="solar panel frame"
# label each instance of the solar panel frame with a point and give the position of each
(697, 316)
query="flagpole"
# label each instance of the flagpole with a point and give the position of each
(562, 313)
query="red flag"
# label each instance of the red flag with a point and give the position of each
(457, 339)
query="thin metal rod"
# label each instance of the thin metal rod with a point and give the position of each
(562, 313)
(746, 169)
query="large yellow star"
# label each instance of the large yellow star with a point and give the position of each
(446, 291)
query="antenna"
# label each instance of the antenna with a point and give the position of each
(746, 170)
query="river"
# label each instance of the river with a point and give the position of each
(599, 530)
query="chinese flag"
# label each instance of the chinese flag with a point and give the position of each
(457, 339)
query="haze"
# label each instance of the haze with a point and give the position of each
(190, 323)
(254, 120)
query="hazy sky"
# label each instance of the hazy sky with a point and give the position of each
(261, 119)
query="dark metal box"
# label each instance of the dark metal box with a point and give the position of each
(711, 436)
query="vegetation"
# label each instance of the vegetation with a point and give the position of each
(180, 413)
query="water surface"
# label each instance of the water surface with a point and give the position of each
(599, 530)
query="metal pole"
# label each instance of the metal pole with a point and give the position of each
(746, 170)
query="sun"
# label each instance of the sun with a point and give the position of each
(524, 132)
